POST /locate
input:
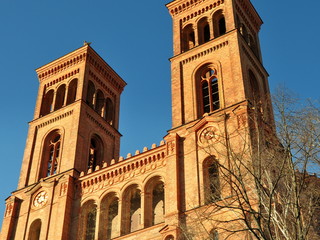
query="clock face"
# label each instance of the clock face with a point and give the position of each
(40, 199)
(208, 135)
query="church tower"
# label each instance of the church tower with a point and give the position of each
(73, 183)
(74, 130)
(220, 98)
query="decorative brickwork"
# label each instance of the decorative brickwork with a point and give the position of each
(75, 185)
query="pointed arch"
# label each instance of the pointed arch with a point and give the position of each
(72, 91)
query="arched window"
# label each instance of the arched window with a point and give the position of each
(244, 32)
(61, 92)
(158, 204)
(51, 154)
(99, 102)
(211, 181)
(47, 103)
(238, 23)
(209, 93)
(214, 235)
(188, 38)
(95, 152)
(109, 111)
(90, 94)
(255, 90)
(88, 217)
(252, 44)
(35, 230)
(222, 26)
(203, 31)
(132, 210)
(109, 217)
(154, 202)
(219, 24)
(170, 237)
(72, 91)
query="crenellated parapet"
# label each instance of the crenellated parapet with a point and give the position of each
(123, 169)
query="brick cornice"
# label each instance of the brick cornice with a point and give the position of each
(63, 63)
(246, 10)
(177, 7)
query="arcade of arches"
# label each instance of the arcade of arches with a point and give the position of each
(119, 214)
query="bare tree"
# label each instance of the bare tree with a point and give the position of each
(267, 185)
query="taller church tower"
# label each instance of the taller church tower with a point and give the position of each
(74, 185)
(221, 103)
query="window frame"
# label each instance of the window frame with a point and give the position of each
(213, 95)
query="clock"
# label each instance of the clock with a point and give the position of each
(208, 135)
(40, 199)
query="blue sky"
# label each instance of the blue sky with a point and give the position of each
(135, 38)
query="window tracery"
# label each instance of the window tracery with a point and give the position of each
(51, 154)
(209, 90)
(211, 180)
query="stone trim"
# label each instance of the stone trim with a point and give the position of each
(102, 70)
(63, 66)
(68, 75)
(245, 7)
(122, 171)
(203, 10)
(253, 62)
(100, 82)
(204, 53)
(64, 115)
(189, 4)
(100, 125)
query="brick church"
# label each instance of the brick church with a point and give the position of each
(73, 183)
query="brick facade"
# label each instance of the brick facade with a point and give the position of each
(74, 185)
